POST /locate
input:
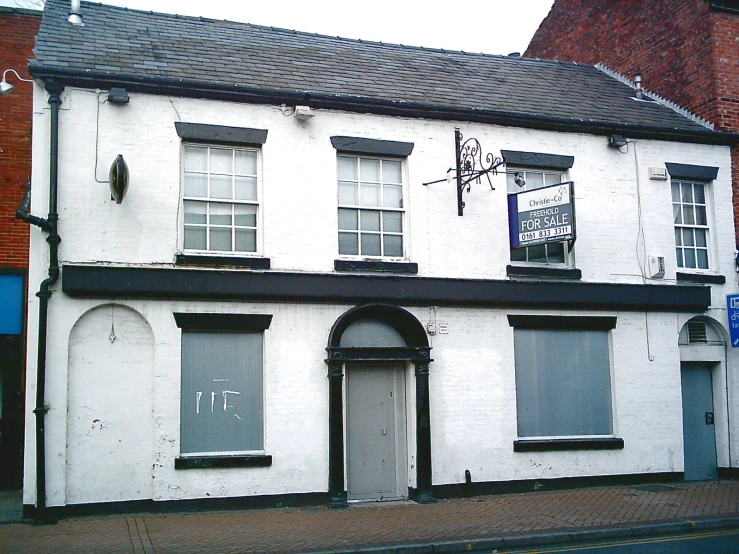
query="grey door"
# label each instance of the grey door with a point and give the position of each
(699, 436)
(375, 427)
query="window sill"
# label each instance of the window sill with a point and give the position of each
(385, 267)
(218, 462)
(553, 445)
(208, 260)
(543, 272)
(706, 278)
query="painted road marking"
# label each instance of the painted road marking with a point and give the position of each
(627, 542)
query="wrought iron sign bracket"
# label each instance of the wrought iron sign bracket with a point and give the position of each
(470, 167)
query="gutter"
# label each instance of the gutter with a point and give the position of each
(42, 514)
(363, 104)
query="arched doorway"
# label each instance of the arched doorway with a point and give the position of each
(110, 407)
(702, 357)
(371, 345)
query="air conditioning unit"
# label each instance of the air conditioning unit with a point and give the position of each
(656, 266)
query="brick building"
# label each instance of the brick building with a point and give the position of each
(687, 51)
(16, 47)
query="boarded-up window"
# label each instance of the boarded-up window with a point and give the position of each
(222, 399)
(563, 383)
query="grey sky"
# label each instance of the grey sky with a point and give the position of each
(490, 26)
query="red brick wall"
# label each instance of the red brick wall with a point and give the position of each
(725, 43)
(725, 33)
(668, 42)
(687, 52)
(16, 45)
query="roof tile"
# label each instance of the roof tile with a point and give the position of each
(136, 43)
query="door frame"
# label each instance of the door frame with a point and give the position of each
(713, 352)
(418, 352)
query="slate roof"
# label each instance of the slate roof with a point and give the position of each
(119, 45)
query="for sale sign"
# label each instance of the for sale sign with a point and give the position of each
(542, 215)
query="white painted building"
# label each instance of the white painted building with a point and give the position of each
(281, 310)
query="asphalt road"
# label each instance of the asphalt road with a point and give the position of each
(715, 542)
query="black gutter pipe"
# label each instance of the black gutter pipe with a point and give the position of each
(42, 515)
(23, 215)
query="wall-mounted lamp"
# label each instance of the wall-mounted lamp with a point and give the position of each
(519, 180)
(617, 141)
(5, 86)
(118, 179)
(303, 113)
(118, 96)
(75, 17)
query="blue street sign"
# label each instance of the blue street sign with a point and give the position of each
(732, 311)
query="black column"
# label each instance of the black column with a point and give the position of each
(423, 434)
(336, 491)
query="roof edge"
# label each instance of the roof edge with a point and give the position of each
(21, 11)
(362, 104)
(730, 7)
(656, 97)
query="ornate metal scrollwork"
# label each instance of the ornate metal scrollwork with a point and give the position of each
(470, 166)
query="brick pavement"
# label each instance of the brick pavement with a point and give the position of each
(378, 524)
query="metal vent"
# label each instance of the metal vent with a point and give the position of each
(697, 331)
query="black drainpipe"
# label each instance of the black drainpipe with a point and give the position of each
(42, 515)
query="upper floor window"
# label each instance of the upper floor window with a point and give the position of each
(549, 253)
(220, 198)
(371, 212)
(689, 209)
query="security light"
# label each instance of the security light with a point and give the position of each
(617, 141)
(5, 86)
(303, 113)
(118, 96)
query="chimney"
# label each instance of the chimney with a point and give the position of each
(75, 18)
(637, 83)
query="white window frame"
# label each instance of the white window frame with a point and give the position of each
(403, 210)
(708, 227)
(220, 201)
(569, 253)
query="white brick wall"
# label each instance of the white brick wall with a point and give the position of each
(300, 191)
(473, 406)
